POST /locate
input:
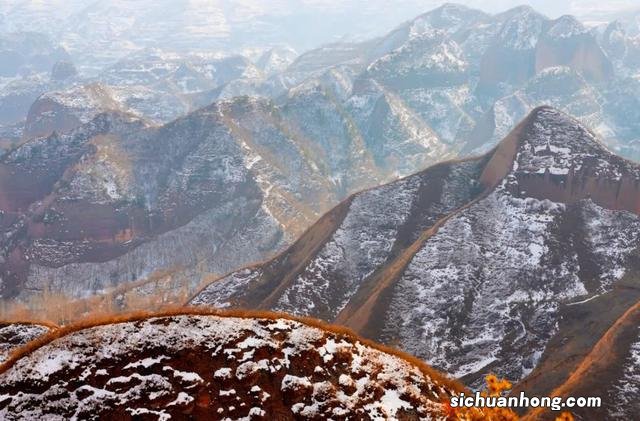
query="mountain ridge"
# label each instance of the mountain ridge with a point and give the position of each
(502, 187)
(298, 353)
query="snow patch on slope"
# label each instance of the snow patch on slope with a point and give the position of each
(354, 379)
(357, 248)
(472, 285)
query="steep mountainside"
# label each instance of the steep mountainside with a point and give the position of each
(153, 84)
(468, 264)
(604, 363)
(27, 61)
(107, 202)
(469, 77)
(183, 72)
(529, 42)
(276, 59)
(453, 80)
(115, 184)
(621, 387)
(214, 367)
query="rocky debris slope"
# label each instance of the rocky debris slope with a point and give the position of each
(15, 335)
(468, 264)
(209, 366)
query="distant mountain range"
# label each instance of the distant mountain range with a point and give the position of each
(463, 188)
(451, 82)
(242, 178)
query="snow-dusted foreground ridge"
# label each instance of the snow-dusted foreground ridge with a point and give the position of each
(216, 367)
(14, 335)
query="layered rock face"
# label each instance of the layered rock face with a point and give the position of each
(108, 187)
(470, 77)
(560, 87)
(214, 367)
(568, 43)
(359, 114)
(468, 265)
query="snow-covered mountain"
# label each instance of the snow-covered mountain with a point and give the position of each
(208, 366)
(458, 187)
(27, 60)
(104, 197)
(276, 59)
(28, 52)
(560, 87)
(357, 113)
(451, 69)
(155, 85)
(471, 264)
(470, 76)
(65, 110)
(98, 33)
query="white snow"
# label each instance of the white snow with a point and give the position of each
(289, 344)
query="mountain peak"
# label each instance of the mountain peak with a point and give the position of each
(450, 17)
(549, 142)
(566, 26)
(557, 143)
(522, 28)
(519, 11)
(276, 59)
(451, 7)
(552, 156)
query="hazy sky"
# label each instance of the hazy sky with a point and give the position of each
(555, 8)
(587, 9)
(303, 24)
(552, 8)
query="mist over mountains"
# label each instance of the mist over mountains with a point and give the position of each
(96, 32)
(463, 186)
(449, 83)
